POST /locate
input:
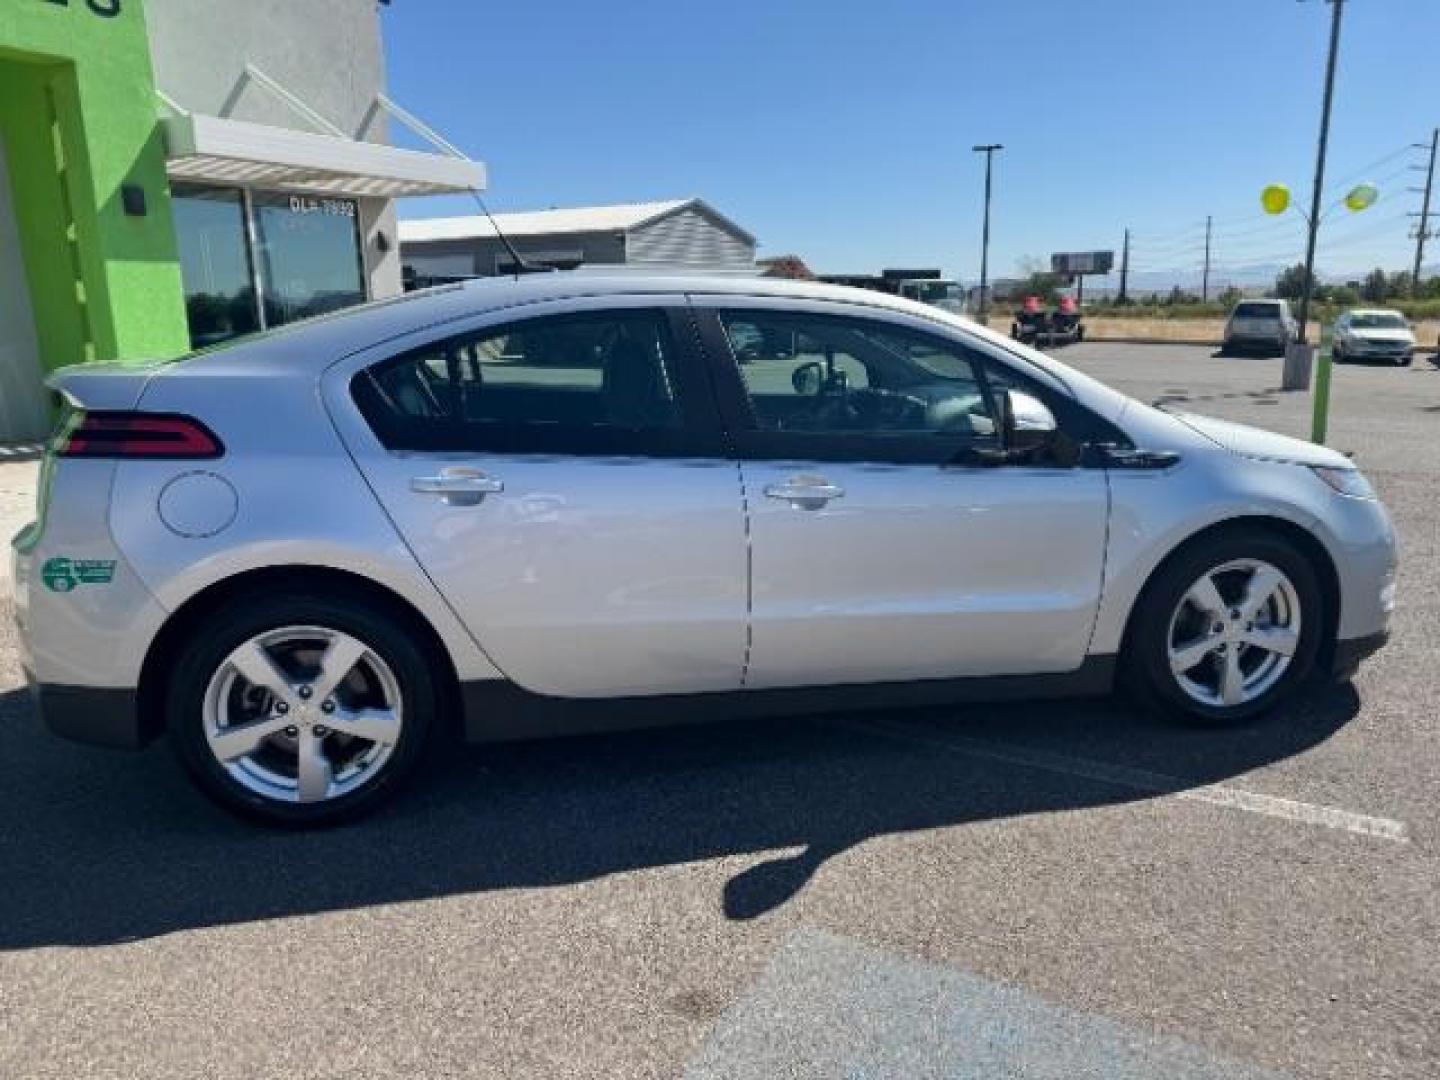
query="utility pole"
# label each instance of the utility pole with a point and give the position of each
(988, 150)
(1422, 232)
(1125, 270)
(1308, 285)
(1205, 277)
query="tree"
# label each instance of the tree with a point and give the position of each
(1230, 297)
(1376, 287)
(1343, 295)
(1039, 281)
(1290, 285)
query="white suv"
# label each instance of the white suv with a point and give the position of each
(1260, 324)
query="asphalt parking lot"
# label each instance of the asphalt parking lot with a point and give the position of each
(1061, 890)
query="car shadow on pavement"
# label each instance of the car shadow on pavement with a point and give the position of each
(99, 847)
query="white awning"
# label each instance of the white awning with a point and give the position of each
(215, 150)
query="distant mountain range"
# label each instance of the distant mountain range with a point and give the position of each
(1244, 276)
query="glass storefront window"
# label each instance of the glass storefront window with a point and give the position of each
(214, 264)
(309, 251)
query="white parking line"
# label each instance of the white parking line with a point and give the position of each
(1156, 783)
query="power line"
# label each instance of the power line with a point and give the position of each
(1241, 219)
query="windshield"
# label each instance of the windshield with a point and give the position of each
(1378, 320)
(930, 292)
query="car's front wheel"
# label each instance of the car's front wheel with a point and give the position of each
(300, 709)
(1227, 629)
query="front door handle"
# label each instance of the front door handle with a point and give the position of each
(458, 487)
(805, 492)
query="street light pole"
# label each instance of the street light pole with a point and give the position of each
(1308, 285)
(989, 151)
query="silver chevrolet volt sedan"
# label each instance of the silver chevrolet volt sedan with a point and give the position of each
(569, 503)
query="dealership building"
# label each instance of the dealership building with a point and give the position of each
(174, 173)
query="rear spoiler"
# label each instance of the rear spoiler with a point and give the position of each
(108, 386)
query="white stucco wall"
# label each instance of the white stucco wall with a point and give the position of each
(377, 216)
(328, 53)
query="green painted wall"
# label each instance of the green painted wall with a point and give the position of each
(79, 115)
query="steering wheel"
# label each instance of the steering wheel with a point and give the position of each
(872, 408)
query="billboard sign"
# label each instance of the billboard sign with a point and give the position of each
(1071, 263)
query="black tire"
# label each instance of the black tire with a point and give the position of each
(240, 621)
(1145, 664)
(1337, 354)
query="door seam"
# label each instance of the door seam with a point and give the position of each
(749, 576)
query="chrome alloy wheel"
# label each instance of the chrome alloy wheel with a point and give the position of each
(1234, 632)
(303, 714)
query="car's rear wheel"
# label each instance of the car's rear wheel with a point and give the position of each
(300, 710)
(1226, 630)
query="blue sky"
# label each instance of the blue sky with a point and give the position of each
(841, 129)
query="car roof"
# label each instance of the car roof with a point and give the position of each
(1374, 311)
(313, 344)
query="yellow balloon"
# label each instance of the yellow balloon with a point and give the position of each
(1362, 197)
(1275, 199)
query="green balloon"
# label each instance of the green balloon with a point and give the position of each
(1362, 196)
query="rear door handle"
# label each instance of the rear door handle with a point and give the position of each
(458, 487)
(805, 492)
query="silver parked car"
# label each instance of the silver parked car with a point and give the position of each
(1371, 334)
(560, 504)
(1266, 325)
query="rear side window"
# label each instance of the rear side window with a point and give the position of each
(579, 383)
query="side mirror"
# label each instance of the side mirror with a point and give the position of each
(1028, 423)
(808, 379)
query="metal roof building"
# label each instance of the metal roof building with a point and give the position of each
(685, 233)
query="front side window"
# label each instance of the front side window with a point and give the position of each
(835, 375)
(569, 383)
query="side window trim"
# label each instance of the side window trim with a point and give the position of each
(700, 433)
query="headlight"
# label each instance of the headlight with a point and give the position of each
(1349, 482)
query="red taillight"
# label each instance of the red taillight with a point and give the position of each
(136, 435)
